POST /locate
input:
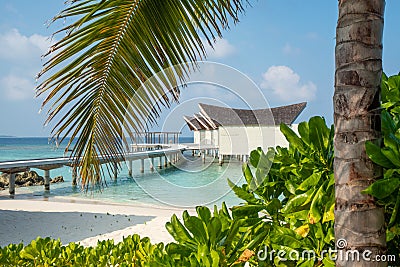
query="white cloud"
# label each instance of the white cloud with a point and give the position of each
(290, 50)
(222, 48)
(284, 83)
(15, 46)
(21, 61)
(312, 36)
(17, 88)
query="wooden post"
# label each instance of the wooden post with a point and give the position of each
(221, 160)
(152, 165)
(160, 162)
(11, 186)
(204, 156)
(166, 161)
(142, 165)
(130, 168)
(74, 176)
(115, 171)
(47, 180)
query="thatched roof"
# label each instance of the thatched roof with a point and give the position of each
(211, 117)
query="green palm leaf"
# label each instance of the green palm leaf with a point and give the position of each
(108, 53)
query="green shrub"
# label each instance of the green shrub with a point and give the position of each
(288, 205)
(386, 153)
(292, 191)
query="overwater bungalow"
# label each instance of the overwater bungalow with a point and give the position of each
(236, 132)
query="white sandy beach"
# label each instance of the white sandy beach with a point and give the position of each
(23, 219)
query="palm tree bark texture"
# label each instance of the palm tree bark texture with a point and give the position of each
(358, 55)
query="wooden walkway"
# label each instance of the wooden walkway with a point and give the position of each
(170, 153)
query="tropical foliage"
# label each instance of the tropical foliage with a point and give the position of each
(387, 155)
(288, 208)
(208, 239)
(97, 82)
(292, 191)
(211, 239)
(132, 251)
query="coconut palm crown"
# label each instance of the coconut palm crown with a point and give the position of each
(110, 50)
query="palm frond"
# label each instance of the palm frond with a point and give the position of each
(111, 49)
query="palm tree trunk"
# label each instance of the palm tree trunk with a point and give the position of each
(358, 219)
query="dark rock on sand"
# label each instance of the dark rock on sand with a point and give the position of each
(28, 178)
(58, 179)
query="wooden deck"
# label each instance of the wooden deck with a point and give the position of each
(146, 151)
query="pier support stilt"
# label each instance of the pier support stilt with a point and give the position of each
(152, 165)
(11, 186)
(141, 165)
(130, 168)
(203, 155)
(47, 180)
(74, 176)
(165, 161)
(221, 160)
(160, 162)
(115, 171)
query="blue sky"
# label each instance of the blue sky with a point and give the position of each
(286, 47)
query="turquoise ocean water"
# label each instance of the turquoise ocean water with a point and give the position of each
(187, 184)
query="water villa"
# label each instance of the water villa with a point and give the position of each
(236, 132)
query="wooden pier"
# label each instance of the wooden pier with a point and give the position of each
(169, 153)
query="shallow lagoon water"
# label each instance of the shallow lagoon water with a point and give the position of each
(187, 184)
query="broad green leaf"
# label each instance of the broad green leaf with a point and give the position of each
(396, 211)
(255, 157)
(383, 187)
(177, 230)
(330, 235)
(198, 229)
(310, 181)
(273, 206)
(290, 186)
(248, 175)
(215, 258)
(318, 133)
(303, 230)
(329, 214)
(304, 132)
(293, 139)
(242, 193)
(246, 210)
(328, 262)
(375, 154)
(214, 229)
(388, 125)
(204, 213)
(233, 231)
(298, 200)
(307, 263)
(299, 215)
(393, 156)
(314, 214)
